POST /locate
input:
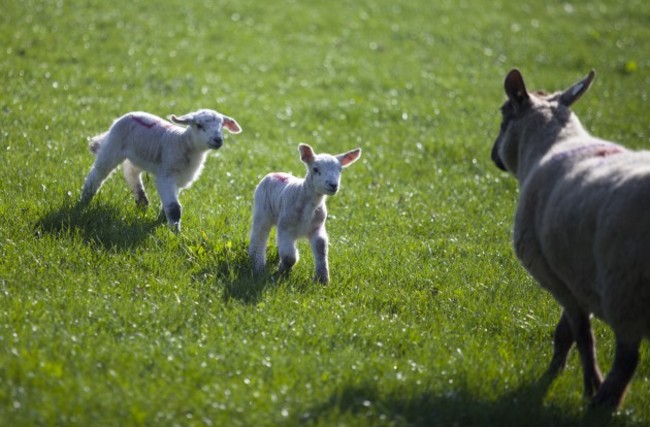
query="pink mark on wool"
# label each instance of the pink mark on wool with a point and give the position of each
(142, 122)
(598, 149)
(609, 150)
(282, 177)
(148, 124)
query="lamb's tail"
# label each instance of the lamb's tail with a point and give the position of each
(96, 142)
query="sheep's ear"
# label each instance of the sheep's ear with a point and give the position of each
(182, 120)
(306, 153)
(573, 93)
(231, 124)
(350, 157)
(515, 88)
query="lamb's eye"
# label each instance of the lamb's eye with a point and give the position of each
(199, 126)
(316, 171)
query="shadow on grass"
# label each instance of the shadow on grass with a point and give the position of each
(459, 407)
(233, 271)
(99, 224)
(228, 267)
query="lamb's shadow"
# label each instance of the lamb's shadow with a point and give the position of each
(244, 286)
(521, 406)
(232, 271)
(99, 224)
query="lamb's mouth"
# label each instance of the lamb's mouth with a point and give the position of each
(215, 145)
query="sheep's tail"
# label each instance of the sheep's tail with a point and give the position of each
(96, 142)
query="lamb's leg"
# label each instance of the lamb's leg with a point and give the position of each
(581, 327)
(259, 238)
(562, 342)
(107, 160)
(287, 250)
(169, 197)
(611, 392)
(319, 246)
(133, 176)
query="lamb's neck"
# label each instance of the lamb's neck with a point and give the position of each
(309, 196)
(191, 147)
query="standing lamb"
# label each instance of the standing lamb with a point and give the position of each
(297, 207)
(144, 142)
(581, 228)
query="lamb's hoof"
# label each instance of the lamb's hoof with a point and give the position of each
(175, 227)
(142, 204)
(323, 280)
(83, 201)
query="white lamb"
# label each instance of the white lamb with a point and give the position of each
(582, 228)
(144, 142)
(297, 207)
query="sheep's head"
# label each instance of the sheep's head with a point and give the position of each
(526, 113)
(324, 170)
(207, 126)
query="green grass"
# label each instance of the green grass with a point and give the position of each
(107, 318)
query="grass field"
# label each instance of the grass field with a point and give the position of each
(107, 318)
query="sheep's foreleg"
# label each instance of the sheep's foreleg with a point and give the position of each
(612, 391)
(319, 246)
(287, 250)
(169, 197)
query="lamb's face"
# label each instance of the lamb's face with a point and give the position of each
(207, 126)
(325, 174)
(324, 170)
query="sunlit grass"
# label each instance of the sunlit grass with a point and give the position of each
(107, 318)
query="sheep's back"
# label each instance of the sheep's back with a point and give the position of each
(591, 220)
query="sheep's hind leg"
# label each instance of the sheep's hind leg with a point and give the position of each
(259, 238)
(581, 327)
(104, 164)
(611, 392)
(133, 177)
(562, 342)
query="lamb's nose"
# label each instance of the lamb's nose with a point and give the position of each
(334, 187)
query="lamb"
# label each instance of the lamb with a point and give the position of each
(581, 228)
(144, 142)
(297, 207)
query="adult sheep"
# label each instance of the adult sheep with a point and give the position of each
(581, 228)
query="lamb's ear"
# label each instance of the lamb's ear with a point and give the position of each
(231, 124)
(306, 153)
(350, 157)
(515, 88)
(182, 120)
(573, 93)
